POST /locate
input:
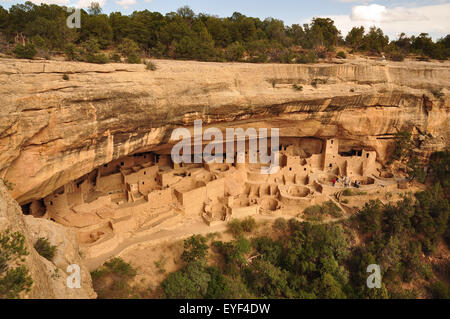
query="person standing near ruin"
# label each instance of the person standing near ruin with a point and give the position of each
(334, 181)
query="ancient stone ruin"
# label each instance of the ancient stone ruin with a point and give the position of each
(89, 158)
(139, 191)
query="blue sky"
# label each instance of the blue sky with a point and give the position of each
(411, 17)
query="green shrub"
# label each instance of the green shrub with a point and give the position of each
(115, 57)
(44, 248)
(260, 58)
(119, 267)
(218, 286)
(248, 224)
(331, 209)
(160, 264)
(234, 52)
(14, 282)
(439, 171)
(233, 253)
(437, 93)
(274, 82)
(425, 271)
(99, 273)
(439, 290)
(415, 169)
(65, 77)
(70, 51)
(404, 294)
(267, 280)
(341, 55)
(25, 52)
(280, 224)
(8, 184)
(369, 217)
(402, 145)
(91, 51)
(315, 82)
(130, 49)
(133, 59)
(297, 87)
(397, 56)
(313, 213)
(39, 42)
(195, 249)
(99, 58)
(151, 66)
(111, 280)
(287, 57)
(305, 58)
(90, 46)
(211, 236)
(347, 192)
(351, 192)
(423, 59)
(317, 212)
(191, 282)
(14, 276)
(235, 227)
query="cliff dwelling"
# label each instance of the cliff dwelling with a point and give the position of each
(136, 193)
(89, 166)
(329, 165)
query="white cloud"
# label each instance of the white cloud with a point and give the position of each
(125, 3)
(432, 19)
(372, 13)
(375, 13)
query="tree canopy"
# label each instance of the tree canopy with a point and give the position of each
(186, 35)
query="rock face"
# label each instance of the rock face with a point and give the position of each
(49, 277)
(53, 131)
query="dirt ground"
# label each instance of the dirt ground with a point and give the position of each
(153, 262)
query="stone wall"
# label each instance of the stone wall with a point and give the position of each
(54, 131)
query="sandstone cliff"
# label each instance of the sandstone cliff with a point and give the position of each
(53, 130)
(49, 278)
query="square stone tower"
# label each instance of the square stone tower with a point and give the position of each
(330, 154)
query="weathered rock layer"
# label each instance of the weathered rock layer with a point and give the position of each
(53, 130)
(49, 277)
